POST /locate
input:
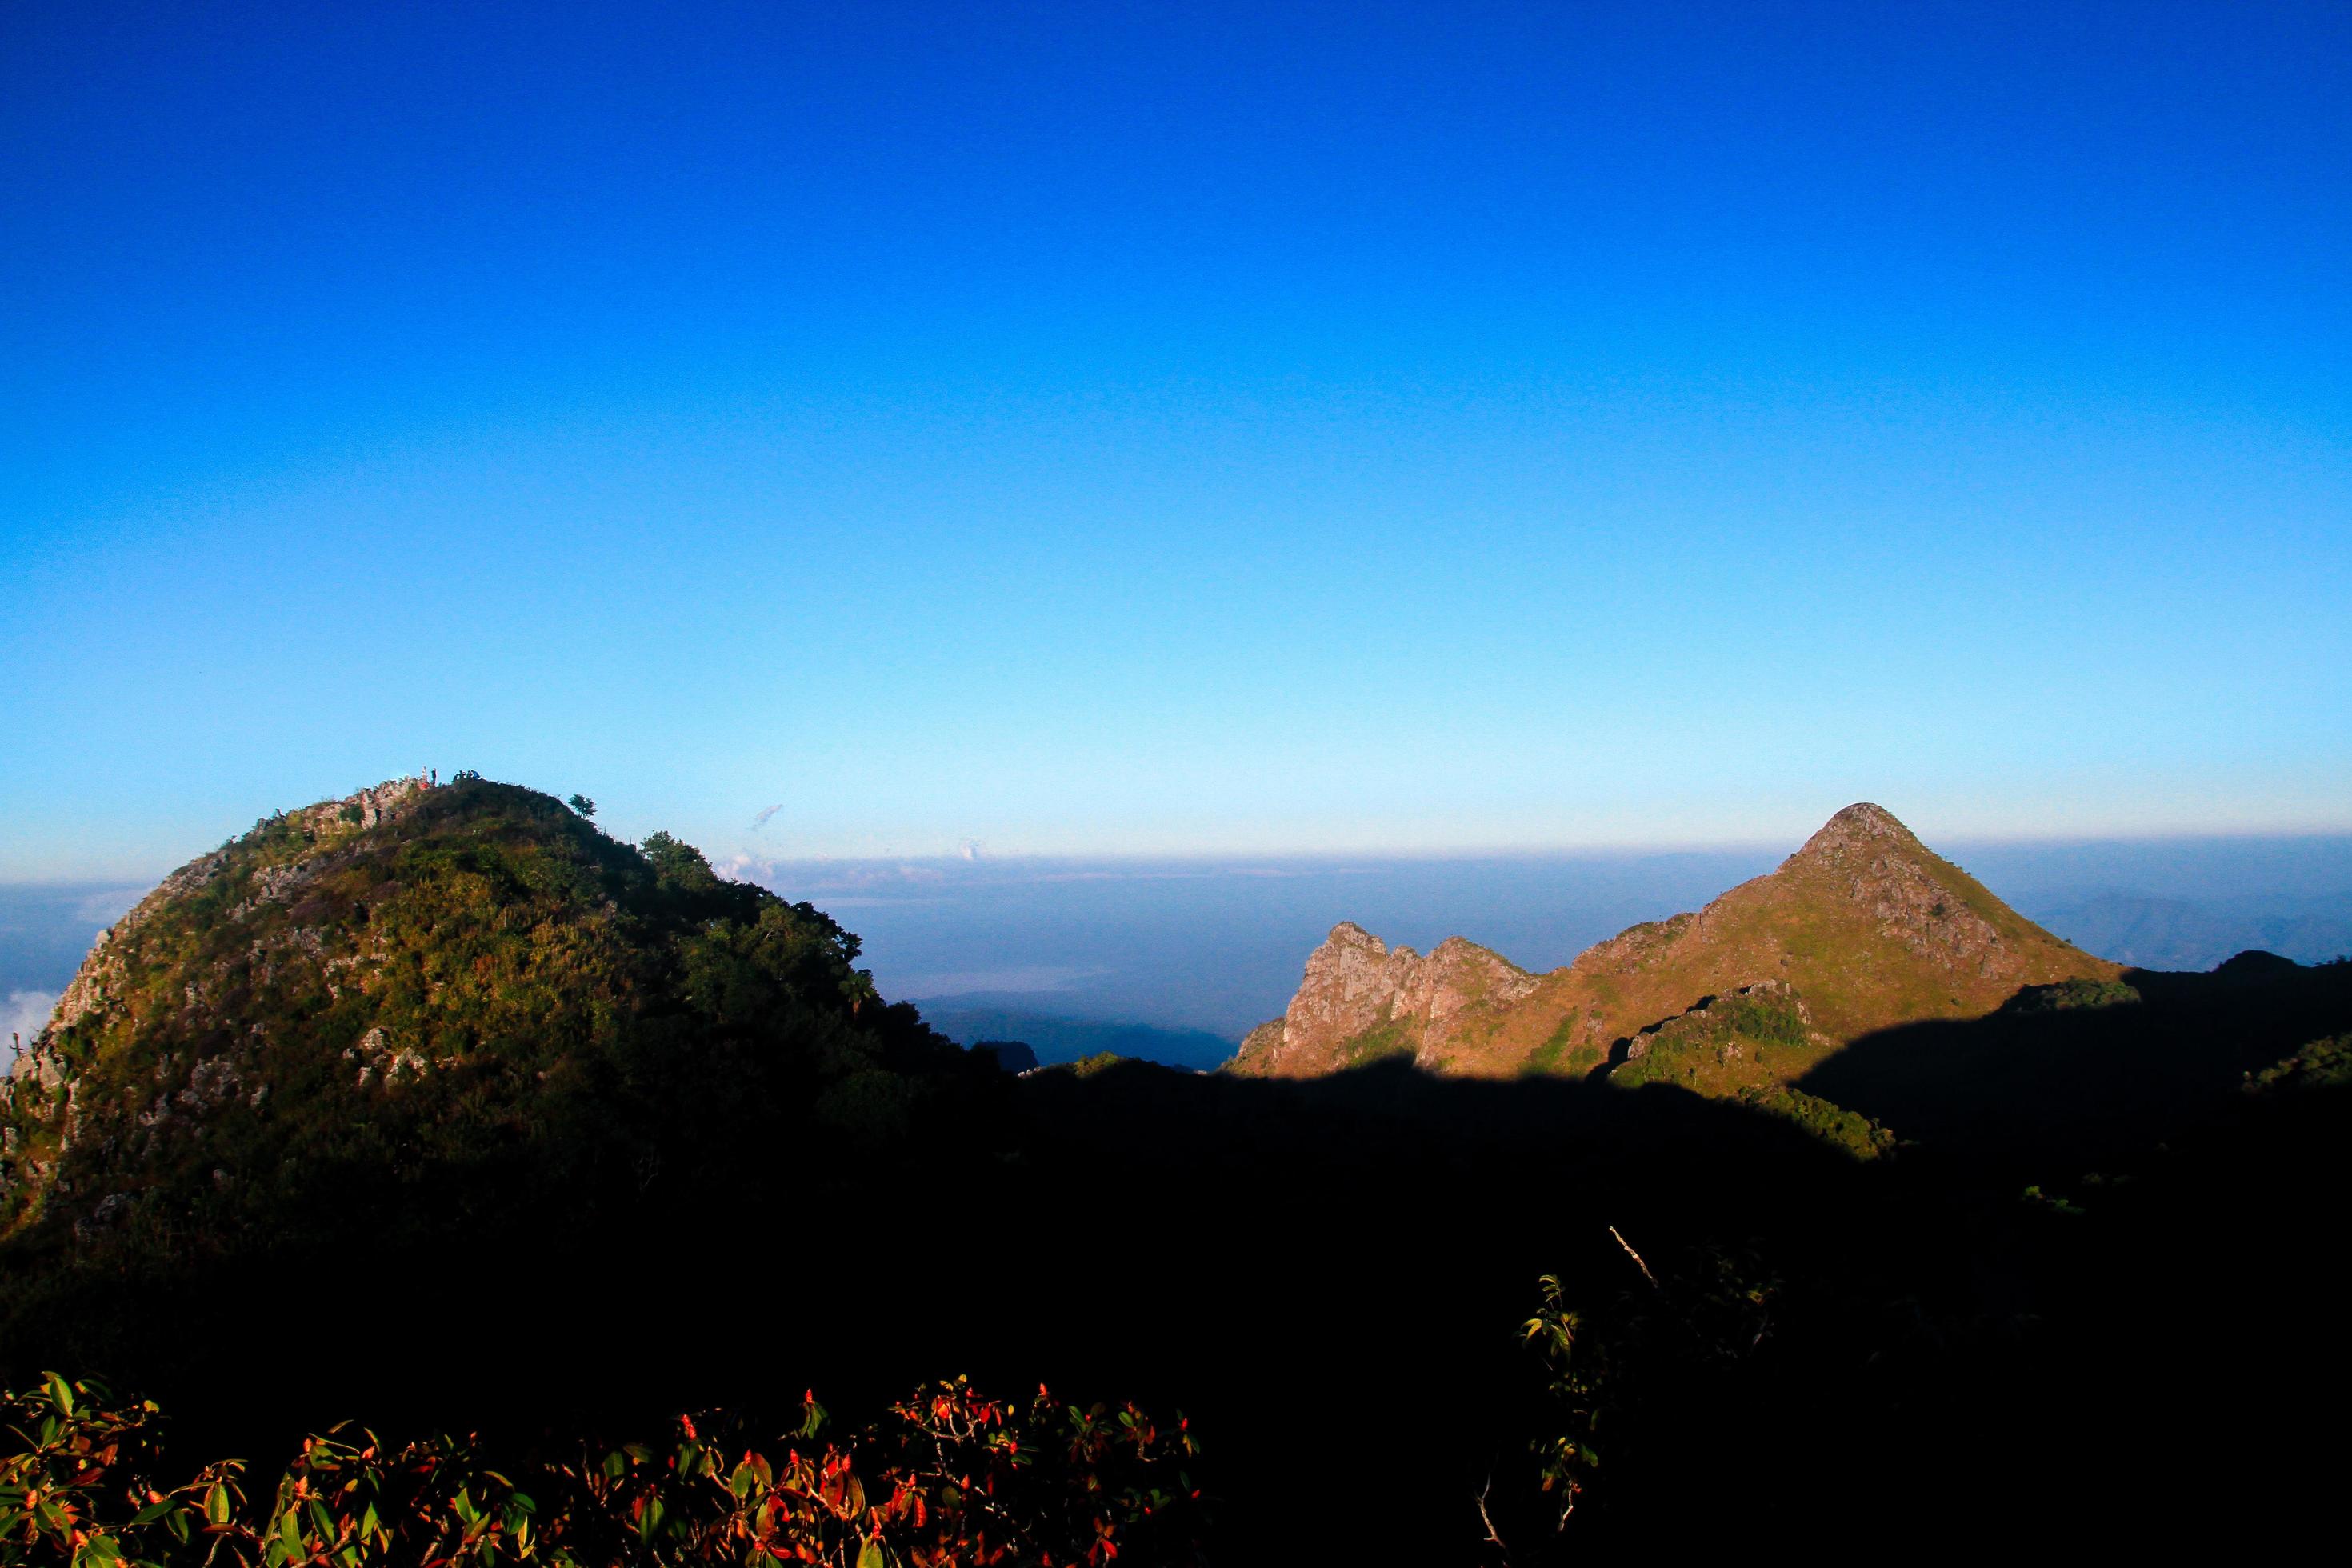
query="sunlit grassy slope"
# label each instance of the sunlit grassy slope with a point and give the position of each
(1861, 929)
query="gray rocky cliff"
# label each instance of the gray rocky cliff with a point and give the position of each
(1356, 984)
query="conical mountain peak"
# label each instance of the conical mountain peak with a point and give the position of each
(1862, 825)
(1872, 929)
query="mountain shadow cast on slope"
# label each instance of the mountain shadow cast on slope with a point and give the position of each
(1327, 1276)
(2066, 1077)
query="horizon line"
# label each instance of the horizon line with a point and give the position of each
(732, 864)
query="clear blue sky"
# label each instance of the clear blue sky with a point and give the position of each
(1137, 428)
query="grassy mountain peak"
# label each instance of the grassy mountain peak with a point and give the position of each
(1863, 926)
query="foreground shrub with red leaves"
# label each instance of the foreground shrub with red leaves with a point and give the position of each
(948, 1478)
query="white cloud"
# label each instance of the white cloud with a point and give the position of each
(23, 1014)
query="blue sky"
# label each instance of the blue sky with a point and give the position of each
(1160, 430)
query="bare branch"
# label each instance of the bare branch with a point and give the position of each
(1637, 1259)
(1488, 1520)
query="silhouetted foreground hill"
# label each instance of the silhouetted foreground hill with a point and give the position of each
(664, 1151)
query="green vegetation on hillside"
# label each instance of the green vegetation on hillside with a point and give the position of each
(1386, 1043)
(1560, 1057)
(1721, 1047)
(440, 1021)
(1741, 1047)
(2322, 1064)
(1833, 1124)
(2068, 995)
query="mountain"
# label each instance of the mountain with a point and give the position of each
(1861, 929)
(427, 1007)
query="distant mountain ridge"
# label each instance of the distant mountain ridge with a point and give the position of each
(1061, 1037)
(2188, 934)
(1861, 929)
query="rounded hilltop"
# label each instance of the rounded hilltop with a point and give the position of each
(422, 1002)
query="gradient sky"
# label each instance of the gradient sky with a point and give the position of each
(1159, 429)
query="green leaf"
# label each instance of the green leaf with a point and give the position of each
(871, 1554)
